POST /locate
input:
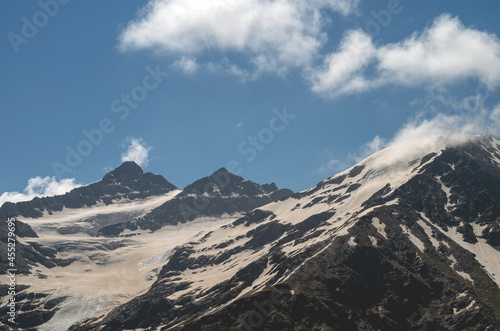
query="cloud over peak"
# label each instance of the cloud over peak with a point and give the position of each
(137, 151)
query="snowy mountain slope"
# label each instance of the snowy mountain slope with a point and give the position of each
(90, 220)
(406, 239)
(401, 240)
(218, 194)
(70, 271)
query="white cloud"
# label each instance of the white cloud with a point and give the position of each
(342, 72)
(188, 65)
(370, 148)
(495, 116)
(40, 187)
(420, 135)
(445, 53)
(430, 129)
(274, 35)
(137, 151)
(224, 66)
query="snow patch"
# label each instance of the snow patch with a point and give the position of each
(486, 255)
(454, 264)
(417, 242)
(448, 206)
(71, 217)
(351, 242)
(260, 282)
(457, 311)
(373, 240)
(379, 226)
(428, 232)
(155, 259)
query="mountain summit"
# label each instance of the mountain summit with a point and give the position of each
(126, 172)
(407, 239)
(125, 182)
(221, 193)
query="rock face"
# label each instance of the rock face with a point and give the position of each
(406, 245)
(125, 182)
(220, 193)
(26, 255)
(79, 229)
(397, 242)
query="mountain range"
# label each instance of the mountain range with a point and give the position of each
(407, 239)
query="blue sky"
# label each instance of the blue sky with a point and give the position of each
(285, 91)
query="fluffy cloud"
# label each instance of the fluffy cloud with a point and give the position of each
(40, 187)
(342, 71)
(137, 151)
(274, 35)
(445, 53)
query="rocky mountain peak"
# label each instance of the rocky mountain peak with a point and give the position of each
(128, 181)
(269, 188)
(126, 172)
(404, 240)
(221, 181)
(221, 193)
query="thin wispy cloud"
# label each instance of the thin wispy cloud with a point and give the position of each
(188, 65)
(329, 167)
(240, 124)
(423, 132)
(428, 130)
(137, 151)
(40, 187)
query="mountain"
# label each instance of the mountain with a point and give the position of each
(128, 181)
(407, 239)
(65, 246)
(221, 193)
(394, 243)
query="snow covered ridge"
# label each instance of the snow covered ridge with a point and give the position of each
(374, 207)
(127, 182)
(76, 257)
(368, 247)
